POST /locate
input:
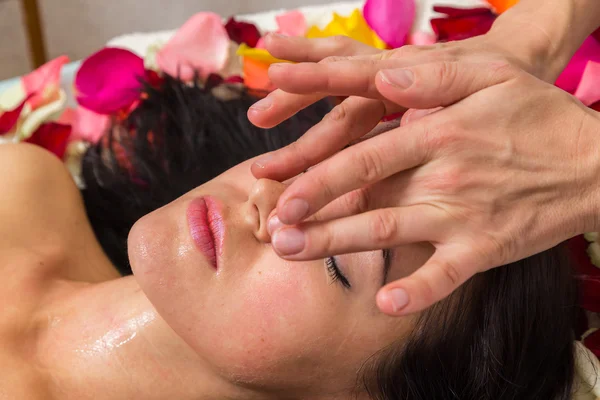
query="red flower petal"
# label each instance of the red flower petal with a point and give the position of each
(212, 81)
(53, 137)
(109, 80)
(153, 78)
(242, 32)
(592, 342)
(8, 119)
(462, 24)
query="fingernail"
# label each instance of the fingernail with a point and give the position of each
(294, 211)
(399, 299)
(263, 161)
(262, 105)
(274, 225)
(402, 78)
(288, 241)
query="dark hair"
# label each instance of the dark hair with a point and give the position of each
(507, 334)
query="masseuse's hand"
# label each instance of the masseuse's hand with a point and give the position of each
(506, 172)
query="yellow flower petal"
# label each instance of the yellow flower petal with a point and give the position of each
(353, 26)
(260, 55)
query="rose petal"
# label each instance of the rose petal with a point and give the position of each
(109, 80)
(392, 20)
(588, 90)
(89, 126)
(201, 44)
(590, 292)
(53, 137)
(571, 77)
(256, 75)
(461, 24)
(47, 113)
(12, 97)
(292, 23)
(8, 119)
(44, 81)
(242, 32)
(422, 39)
(502, 5)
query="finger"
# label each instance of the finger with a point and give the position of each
(337, 78)
(414, 114)
(442, 274)
(379, 229)
(279, 106)
(358, 166)
(301, 49)
(440, 83)
(348, 121)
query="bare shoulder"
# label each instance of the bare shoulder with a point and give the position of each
(39, 201)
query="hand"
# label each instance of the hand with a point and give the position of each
(508, 171)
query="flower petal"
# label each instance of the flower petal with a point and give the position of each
(12, 97)
(8, 119)
(201, 44)
(353, 26)
(109, 80)
(292, 23)
(461, 23)
(256, 54)
(89, 126)
(242, 32)
(256, 75)
(571, 76)
(44, 81)
(502, 5)
(392, 20)
(592, 342)
(46, 113)
(421, 39)
(53, 137)
(588, 90)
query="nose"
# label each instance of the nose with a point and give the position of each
(262, 200)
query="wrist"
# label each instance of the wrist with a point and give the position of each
(544, 37)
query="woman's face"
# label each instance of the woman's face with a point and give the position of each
(257, 319)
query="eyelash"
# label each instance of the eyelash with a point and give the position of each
(335, 273)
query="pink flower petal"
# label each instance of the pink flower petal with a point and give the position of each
(292, 23)
(571, 76)
(8, 119)
(43, 80)
(588, 90)
(390, 19)
(109, 80)
(88, 125)
(53, 137)
(422, 39)
(201, 44)
(261, 43)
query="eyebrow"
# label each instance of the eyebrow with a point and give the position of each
(387, 263)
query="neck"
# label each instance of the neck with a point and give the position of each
(107, 341)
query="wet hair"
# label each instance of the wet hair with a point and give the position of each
(505, 335)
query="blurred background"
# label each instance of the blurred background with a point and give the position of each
(32, 31)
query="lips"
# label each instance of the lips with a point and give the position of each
(207, 227)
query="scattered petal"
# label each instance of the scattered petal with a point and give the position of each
(53, 137)
(242, 32)
(200, 45)
(421, 39)
(9, 119)
(392, 20)
(49, 112)
(109, 80)
(292, 23)
(256, 54)
(571, 77)
(12, 97)
(459, 23)
(502, 5)
(89, 126)
(44, 82)
(353, 26)
(256, 75)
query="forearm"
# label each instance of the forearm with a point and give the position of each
(547, 32)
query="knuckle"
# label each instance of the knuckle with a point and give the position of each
(451, 273)
(296, 150)
(449, 180)
(369, 166)
(339, 113)
(443, 137)
(447, 74)
(341, 42)
(384, 227)
(357, 201)
(332, 59)
(400, 52)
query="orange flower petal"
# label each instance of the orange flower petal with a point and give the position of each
(256, 75)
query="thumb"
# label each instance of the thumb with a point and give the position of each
(440, 84)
